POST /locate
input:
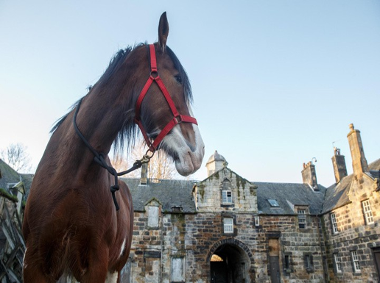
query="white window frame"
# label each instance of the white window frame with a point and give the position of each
(338, 263)
(226, 196)
(334, 223)
(367, 212)
(257, 220)
(228, 225)
(301, 218)
(355, 262)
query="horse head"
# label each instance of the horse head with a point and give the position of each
(163, 110)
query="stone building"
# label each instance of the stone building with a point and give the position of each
(12, 247)
(350, 217)
(228, 229)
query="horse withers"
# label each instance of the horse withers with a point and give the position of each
(71, 226)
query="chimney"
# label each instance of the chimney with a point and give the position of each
(144, 174)
(339, 164)
(359, 162)
(309, 176)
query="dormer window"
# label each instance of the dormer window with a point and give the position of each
(301, 218)
(226, 192)
(226, 197)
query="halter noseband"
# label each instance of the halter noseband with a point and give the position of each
(177, 119)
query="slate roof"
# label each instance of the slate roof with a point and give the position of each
(27, 180)
(337, 194)
(170, 193)
(287, 195)
(8, 175)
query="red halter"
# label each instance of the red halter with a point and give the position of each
(177, 119)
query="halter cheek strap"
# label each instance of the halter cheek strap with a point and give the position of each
(177, 118)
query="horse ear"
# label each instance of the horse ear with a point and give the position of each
(163, 31)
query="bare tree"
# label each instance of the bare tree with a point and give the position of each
(123, 163)
(16, 156)
(159, 167)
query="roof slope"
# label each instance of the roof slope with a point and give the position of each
(337, 194)
(8, 175)
(170, 193)
(288, 195)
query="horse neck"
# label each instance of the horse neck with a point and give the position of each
(100, 118)
(102, 114)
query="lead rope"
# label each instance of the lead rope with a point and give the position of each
(99, 158)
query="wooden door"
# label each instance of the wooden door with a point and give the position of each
(376, 256)
(274, 261)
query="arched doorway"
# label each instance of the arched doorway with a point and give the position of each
(229, 263)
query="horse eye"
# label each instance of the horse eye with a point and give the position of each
(178, 78)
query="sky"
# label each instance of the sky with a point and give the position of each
(275, 82)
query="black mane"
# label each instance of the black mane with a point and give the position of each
(116, 60)
(129, 130)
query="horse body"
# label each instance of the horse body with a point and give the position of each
(70, 225)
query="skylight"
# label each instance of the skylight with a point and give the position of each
(273, 202)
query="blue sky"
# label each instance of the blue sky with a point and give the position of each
(275, 82)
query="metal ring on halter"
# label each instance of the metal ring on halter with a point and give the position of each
(149, 156)
(154, 74)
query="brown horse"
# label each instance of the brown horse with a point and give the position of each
(71, 226)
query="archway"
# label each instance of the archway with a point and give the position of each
(230, 263)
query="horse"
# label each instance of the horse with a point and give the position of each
(71, 226)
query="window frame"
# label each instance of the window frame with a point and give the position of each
(230, 219)
(287, 263)
(334, 223)
(257, 220)
(367, 212)
(302, 216)
(273, 202)
(225, 197)
(355, 262)
(338, 263)
(308, 262)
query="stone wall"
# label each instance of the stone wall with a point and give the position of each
(354, 234)
(193, 238)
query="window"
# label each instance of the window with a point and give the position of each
(334, 224)
(257, 220)
(367, 212)
(287, 268)
(308, 262)
(178, 274)
(153, 216)
(228, 225)
(273, 202)
(301, 218)
(338, 263)
(226, 197)
(355, 262)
